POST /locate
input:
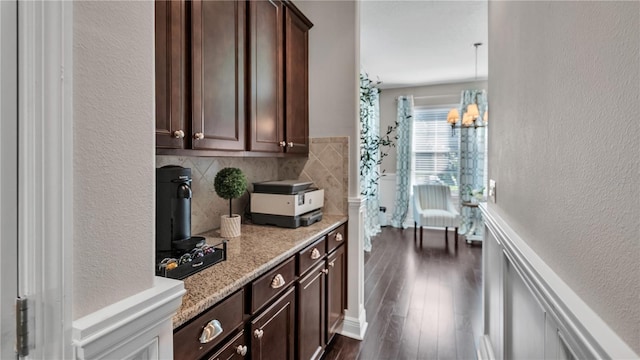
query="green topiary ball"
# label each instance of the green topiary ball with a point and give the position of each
(230, 183)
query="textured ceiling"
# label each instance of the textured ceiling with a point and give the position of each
(409, 43)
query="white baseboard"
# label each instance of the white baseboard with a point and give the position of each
(355, 328)
(138, 327)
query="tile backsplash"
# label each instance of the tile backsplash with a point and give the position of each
(327, 166)
(207, 206)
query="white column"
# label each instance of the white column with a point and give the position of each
(355, 320)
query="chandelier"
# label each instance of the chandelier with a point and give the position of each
(472, 113)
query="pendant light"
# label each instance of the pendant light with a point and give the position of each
(472, 112)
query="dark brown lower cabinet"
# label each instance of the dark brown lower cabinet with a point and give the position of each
(336, 290)
(311, 313)
(235, 349)
(272, 331)
(292, 318)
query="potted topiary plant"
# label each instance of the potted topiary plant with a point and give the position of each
(230, 183)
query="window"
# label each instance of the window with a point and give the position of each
(435, 151)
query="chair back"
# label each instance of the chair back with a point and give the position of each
(433, 196)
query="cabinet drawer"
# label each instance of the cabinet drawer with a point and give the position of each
(311, 255)
(336, 238)
(219, 321)
(236, 348)
(272, 283)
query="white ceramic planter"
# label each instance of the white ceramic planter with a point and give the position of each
(230, 226)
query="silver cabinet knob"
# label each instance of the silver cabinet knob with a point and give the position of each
(241, 350)
(290, 144)
(332, 264)
(178, 134)
(198, 136)
(282, 144)
(339, 237)
(258, 334)
(315, 254)
(325, 271)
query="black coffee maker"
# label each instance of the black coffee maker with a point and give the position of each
(173, 211)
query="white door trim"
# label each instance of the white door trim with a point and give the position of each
(45, 176)
(8, 175)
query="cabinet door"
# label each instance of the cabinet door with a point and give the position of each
(234, 349)
(272, 331)
(266, 118)
(311, 314)
(170, 41)
(336, 290)
(296, 78)
(218, 74)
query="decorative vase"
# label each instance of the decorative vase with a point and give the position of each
(230, 226)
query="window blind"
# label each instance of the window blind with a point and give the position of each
(435, 151)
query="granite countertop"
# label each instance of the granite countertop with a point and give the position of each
(250, 255)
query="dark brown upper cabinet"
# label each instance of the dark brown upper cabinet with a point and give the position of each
(296, 40)
(218, 74)
(170, 74)
(231, 78)
(265, 47)
(279, 48)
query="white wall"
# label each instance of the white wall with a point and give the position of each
(425, 96)
(563, 144)
(333, 75)
(114, 152)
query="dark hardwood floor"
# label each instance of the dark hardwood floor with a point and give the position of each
(421, 303)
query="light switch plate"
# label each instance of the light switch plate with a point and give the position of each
(492, 190)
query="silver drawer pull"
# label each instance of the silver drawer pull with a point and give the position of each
(241, 350)
(258, 334)
(211, 331)
(315, 254)
(277, 282)
(339, 237)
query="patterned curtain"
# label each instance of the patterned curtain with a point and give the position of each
(472, 163)
(369, 175)
(403, 168)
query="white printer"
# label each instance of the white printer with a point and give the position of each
(286, 203)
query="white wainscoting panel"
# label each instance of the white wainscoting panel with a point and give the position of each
(138, 327)
(529, 312)
(387, 194)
